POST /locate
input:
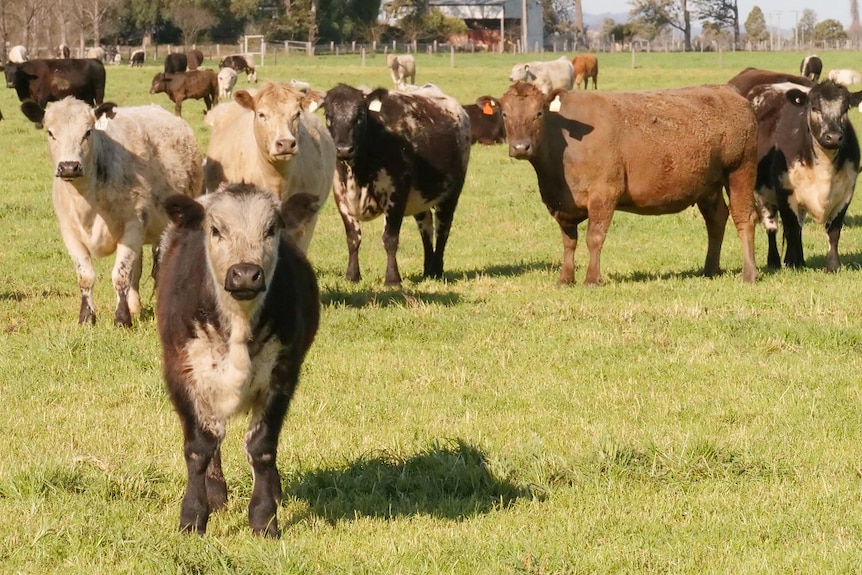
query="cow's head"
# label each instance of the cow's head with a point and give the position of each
(241, 228)
(69, 125)
(277, 112)
(489, 105)
(521, 73)
(826, 105)
(346, 117)
(159, 83)
(523, 107)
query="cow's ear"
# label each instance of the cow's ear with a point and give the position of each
(797, 97)
(184, 212)
(313, 100)
(855, 98)
(553, 100)
(374, 100)
(107, 110)
(244, 99)
(34, 112)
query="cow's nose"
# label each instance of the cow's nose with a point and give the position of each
(68, 170)
(344, 152)
(520, 149)
(832, 139)
(245, 281)
(285, 146)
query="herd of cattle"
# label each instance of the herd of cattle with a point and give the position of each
(237, 302)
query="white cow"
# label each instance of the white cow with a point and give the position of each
(546, 76)
(113, 168)
(97, 53)
(401, 68)
(845, 77)
(226, 82)
(271, 138)
(18, 54)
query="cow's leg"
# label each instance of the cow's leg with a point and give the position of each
(199, 448)
(744, 212)
(352, 229)
(443, 216)
(833, 232)
(85, 272)
(425, 222)
(215, 483)
(391, 231)
(208, 102)
(715, 213)
(793, 255)
(773, 257)
(178, 106)
(126, 262)
(134, 299)
(601, 212)
(261, 444)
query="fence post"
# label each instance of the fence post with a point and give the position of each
(363, 56)
(452, 56)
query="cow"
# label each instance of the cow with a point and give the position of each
(811, 67)
(195, 59)
(808, 160)
(194, 84)
(113, 168)
(97, 53)
(401, 68)
(586, 66)
(136, 60)
(845, 77)
(226, 82)
(241, 64)
(272, 138)
(237, 309)
(547, 76)
(18, 54)
(51, 80)
(176, 62)
(486, 121)
(62, 51)
(399, 154)
(595, 153)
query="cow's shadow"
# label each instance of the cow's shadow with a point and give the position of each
(852, 221)
(385, 297)
(449, 480)
(505, 270)
(852, 260)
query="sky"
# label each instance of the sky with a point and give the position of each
(782, 13)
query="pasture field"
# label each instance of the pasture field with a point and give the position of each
(489, 423)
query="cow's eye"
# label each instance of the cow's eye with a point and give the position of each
(261, 116)
(50, 134)
(87, 134)
(539, 114)
(270, 231)
(214, 232)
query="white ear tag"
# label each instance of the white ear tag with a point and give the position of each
(375, 105)
(312, 106)
(555, 104)
(102, 123)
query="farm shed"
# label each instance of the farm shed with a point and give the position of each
(488, 19)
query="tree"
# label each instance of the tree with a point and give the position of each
(721, 13)
(829, 31)
(659, 14)
(805, 27)
(755, 25)
(94, 15)
(192, 20)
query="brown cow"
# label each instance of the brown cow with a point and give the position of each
(586, 67)
(486, 122)
(648, 153)
(195, 84)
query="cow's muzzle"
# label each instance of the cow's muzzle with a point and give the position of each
(245, 281)
(284, 147)
(344, 152)
(520, 150)
(832, 140)
(69, 170)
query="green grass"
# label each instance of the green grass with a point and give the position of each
(488, 423)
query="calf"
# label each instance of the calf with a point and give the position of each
(110, 179)
(136, 60)
(400, 154)
(241, 64)
(401, 68)
(195, 84)
(557, 74)
(272, 138)
(811, 67)
(808, 161)
(486, 121)
(237, 310)
(595, 153)
(226, 82)
(586, 66)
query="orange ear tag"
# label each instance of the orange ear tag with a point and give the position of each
(488, 109)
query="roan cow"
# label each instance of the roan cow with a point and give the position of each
(586, 66)
(226, 82)
(241, 64)
(401, 68)
(399, 154)
(272, 138)
(557, 74)
(237, 309)
(486, 121)
(113, 168)
(808, 159)
(51, 80)
(811, 67)
(650, 153)
(194, 84)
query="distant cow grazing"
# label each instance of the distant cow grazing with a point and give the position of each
(811, 67)
(18, 54)
(845, 77)
(62, 51)
(546, 76)
(52, 80)
(237, 309)
(402, 69)
(194, 84)
(808, 160)
(274, 140)
(110, 179)
(586, 66)
(226, 82)
(486, 121)
(176, 62)
(596, 152)
(137, 59)
(97, 53)
(400, 154)
(195, 58)
(241, 64)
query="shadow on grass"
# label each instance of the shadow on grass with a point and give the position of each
(507, 270)
(388, 297)
(818, 262)
(450, 481)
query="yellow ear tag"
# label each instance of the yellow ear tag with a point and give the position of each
(102, 123)
(555, 104)
(375, 105)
